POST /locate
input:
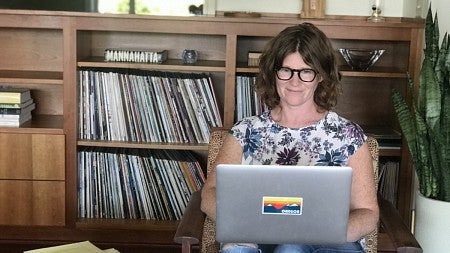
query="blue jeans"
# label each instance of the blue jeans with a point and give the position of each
(298, 248)
(240, 249)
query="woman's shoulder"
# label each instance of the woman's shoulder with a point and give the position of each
(344, 127)
(335, 118)
(252, 123)
(254, 120)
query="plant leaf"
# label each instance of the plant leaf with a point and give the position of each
(406, 122)
(425, 124)
(432, 98)
(424, 147)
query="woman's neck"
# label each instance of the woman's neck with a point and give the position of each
(296, 117)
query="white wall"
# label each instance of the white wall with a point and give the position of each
(283, 6)
(442, 7)
(391, 8)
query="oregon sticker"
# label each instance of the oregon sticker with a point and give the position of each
(282, 205)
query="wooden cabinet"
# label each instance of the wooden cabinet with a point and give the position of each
(32, 157)
(46, 49)
(32, 177)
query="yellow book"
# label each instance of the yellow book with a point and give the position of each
(14, 95)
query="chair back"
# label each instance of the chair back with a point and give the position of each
(217, 136)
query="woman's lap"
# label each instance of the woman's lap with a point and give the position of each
(297, 248)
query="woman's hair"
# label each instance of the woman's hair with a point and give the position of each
(316, 50)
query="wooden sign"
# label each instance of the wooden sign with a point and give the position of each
(313, 9)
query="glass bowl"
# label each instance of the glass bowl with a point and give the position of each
(361, 59)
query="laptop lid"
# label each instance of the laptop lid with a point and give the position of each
(273, 204)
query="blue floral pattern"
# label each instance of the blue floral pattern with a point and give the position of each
(330, 141)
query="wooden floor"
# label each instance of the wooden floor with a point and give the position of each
(384, 246)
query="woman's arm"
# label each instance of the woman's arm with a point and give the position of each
(230, 153)
(364, 211)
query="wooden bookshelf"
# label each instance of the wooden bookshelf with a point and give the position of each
(169, 65)
(38, 77)
(46, 49)
(144, 145)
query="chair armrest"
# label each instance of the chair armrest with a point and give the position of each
(190, 229)
(400, 235)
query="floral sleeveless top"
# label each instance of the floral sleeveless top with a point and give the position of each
(330, 141)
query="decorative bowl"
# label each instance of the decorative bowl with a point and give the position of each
(361, 59)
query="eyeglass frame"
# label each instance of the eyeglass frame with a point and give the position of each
(298, 73)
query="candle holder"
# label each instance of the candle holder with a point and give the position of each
(420, 9)
(189, 56)
(376, 13)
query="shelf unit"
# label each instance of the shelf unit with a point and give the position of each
(47, 48)
(32, 179)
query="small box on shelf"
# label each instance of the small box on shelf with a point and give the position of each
(253, 58)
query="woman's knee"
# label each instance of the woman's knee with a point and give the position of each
(292, 248)
(239, 248)
(301, 248)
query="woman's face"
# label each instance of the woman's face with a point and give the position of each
(295, 92)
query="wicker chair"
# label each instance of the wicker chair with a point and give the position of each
(197, 229)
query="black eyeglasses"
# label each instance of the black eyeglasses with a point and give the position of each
(306, 75)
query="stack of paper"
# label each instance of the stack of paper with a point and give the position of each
(79, 247)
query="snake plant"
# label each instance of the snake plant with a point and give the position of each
(425, 119)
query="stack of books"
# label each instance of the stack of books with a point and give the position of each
(248, 102)
(16, 106)
(147, 106)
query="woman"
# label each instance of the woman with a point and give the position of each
(299, 81)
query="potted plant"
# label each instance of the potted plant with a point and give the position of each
(425, 124)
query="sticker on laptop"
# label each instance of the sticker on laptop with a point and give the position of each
(282, 205)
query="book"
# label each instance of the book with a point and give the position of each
(18, 111)
(388, 181)
(147, 106)
(136, 184)
(135, 55)
(253, 58)
(248, 102)
(14, 120)
(16, 105)
(15, 116)
(14, 95)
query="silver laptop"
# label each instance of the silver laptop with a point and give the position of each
(273, 204)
